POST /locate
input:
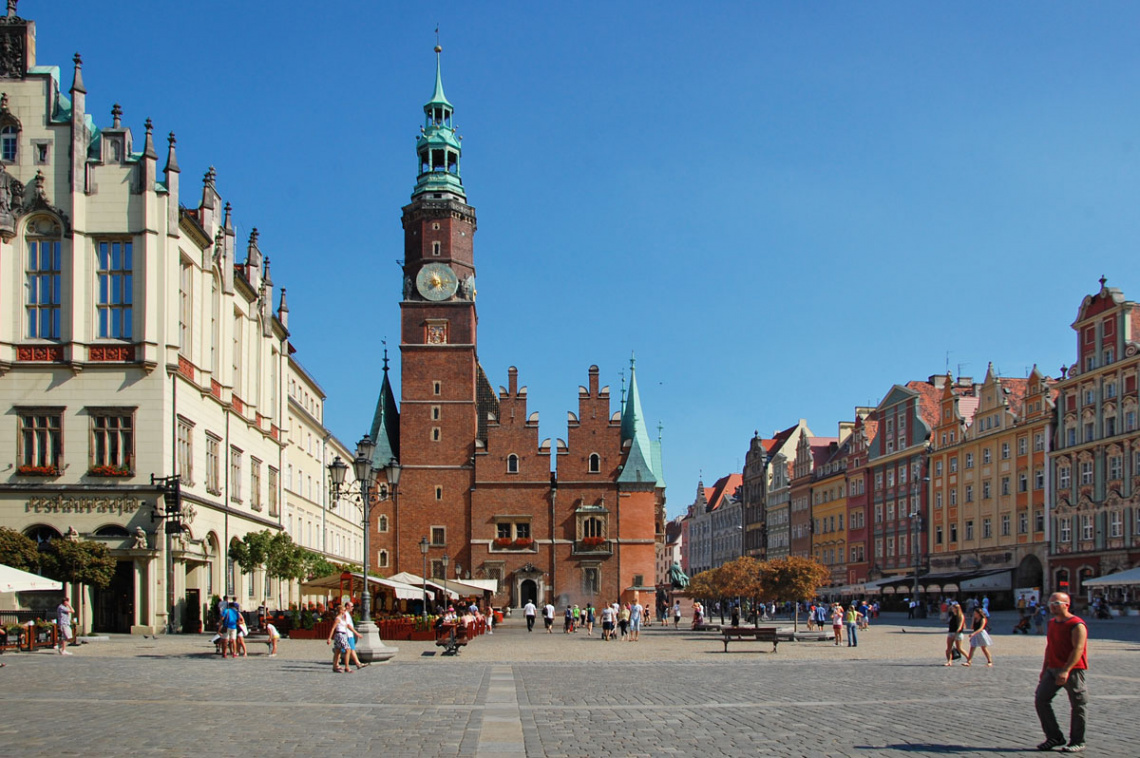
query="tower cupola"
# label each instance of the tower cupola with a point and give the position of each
(438, 147)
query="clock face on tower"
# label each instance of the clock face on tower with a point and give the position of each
(436, 281)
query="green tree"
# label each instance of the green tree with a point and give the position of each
(792, 579)
(79, 562)
(18, 550)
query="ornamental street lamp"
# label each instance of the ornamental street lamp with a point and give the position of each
(370, 648)
(424, 545)
(916, 520)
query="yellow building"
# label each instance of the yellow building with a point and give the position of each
(829, 507)
(988, 486)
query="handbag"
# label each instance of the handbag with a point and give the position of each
(955, 653)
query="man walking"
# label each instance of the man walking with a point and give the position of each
(63, 614)
(548, 617)
(530, 611)
(1066, 660)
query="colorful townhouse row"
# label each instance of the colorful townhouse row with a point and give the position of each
(951, 486)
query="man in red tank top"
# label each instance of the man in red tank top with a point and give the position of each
(1066, 659)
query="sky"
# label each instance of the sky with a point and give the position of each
(782, 209)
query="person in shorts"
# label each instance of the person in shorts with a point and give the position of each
(63, 615)
(274, 636)
(607, 623)
(228, 628)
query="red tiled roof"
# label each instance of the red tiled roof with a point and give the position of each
(821, 449)
(967, 407)
(1016, 390)
(929, 401)
(726, 485)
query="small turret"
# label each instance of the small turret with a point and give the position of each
(438, 147)
(283, 310)
(148, 164)
(172, 171)
(79, 141)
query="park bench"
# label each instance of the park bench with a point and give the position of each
(451, 637)
(744, 634)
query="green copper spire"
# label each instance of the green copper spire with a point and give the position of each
(638, 466)
(385, 424)
(438, 147)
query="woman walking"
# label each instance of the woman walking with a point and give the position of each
(837, 623)
(851, 619)
(980, 638)
(338, 638)
(955, 623)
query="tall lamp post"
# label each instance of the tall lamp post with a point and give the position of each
(424, 546)
(370, 648)
(444, 561)
(916, 521)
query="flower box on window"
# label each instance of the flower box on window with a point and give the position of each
(37, 470)
(593, 542)
(110, 471)
(522, 542)
(502, 542)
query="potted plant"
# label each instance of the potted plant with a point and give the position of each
(591, 543)
(110, 470)
(502, 542)
(523, 542)
(29, 470)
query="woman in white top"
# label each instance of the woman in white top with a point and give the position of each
(338, 638)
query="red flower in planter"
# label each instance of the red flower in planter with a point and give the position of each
(110, 471)
(502, 542)
(37, 470)
(523, 542)
(593, 542)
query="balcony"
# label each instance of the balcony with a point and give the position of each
(593, 546)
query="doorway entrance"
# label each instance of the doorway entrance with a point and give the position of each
(529, 591)
(114, 606)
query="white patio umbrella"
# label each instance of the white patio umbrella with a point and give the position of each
(15, 580)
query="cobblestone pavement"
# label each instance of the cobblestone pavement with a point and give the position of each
(514, 693)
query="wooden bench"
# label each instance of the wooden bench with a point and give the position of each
(742, 634)
(451, 637)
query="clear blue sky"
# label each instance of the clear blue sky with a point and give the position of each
(783, 208)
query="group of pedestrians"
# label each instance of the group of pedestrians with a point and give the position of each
(978, 636)
(618, 621)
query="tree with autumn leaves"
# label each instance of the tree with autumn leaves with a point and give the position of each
(781, 580)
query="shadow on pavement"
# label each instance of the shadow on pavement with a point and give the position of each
(947, 749)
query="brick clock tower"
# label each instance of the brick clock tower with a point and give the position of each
(475, 481)
(438, 421)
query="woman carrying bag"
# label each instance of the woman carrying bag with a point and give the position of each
(980, 638)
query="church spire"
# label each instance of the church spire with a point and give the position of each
(638, 466)
(385, 430)
(438, 147)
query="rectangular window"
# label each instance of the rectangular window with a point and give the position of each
(938, 467)
(987, 528)
(953, 464)
(503, 530)
(1005, 485)
(255, 484)
(112, 439)
(937, 499)
(213, 465)
(1090, 432)
(185, 308)
(236, 358)
(878, 547)
(969, 460)
(438, 536)
(890, 547)
(1086, 472)
(879, 513)
(969, 530)
(43, 288)
(1023, 523)
(1039, 521)
(985, 490)
(1004, 450)
(953, 533)
(1039, 442)
(115, 276)
(186, 451)
(1005, 524)
(891, 511)
(1116, 524)
(1130, 421)
(1066, 529)
(986, 457)
(235, 474)
(954, 496)
(969, 493)
(937, 535)
(41, 439)
(1086, 527)
(1022, 482)
(1070, 436)
(1022, 445)
(1064, 477)
(1109, 426)
(274, 502)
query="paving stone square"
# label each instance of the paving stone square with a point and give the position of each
(514, 694)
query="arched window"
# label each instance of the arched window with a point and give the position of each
(512, 464)
(382, 559)
(42, 533)
(1061, 581)
(113, 530)
(382, 524)
(593, 527)
(595, 463)
(9, 139)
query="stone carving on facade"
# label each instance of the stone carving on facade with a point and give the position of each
(13, 40)
(140, 542)
(72, 535)
(407, 287)
(11, 203)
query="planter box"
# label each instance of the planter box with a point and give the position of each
(425, 636)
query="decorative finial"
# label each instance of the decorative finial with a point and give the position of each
(77, 84)
(385, 356)
(226, 218)
(116, 116)
(253, 235)
(1102, 281)
(12, 8)
(77, 59)
(149, 125)
(283, 307)
(438, 49)
(266, 279)
(170, 139)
